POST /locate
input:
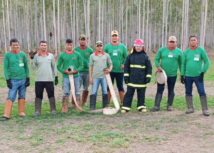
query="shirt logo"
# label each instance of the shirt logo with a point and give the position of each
(118, 49)
(49, 59)
(86, 53)
(104, 59)
(73, 58)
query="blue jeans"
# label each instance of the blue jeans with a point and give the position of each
(188, 85)
(170, 84)
(18, 85)
(95, 86)
(84, 79)
(66, 86)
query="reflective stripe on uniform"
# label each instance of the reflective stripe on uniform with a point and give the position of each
(141, 107)
(148, 76)
(126, 74)
(126, 108)
(136, 85)
(137, 66)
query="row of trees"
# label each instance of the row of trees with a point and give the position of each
(152, 20)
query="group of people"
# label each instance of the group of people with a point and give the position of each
(90, 67)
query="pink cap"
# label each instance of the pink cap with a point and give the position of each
(138, 42)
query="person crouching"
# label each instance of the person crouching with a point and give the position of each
(137, 73)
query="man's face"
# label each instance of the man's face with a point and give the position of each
(14, 46)
(114, 38)
(193, 42)
(43, 47)
(69, 46)
(82, 42)
(99, 48)
(172, 44)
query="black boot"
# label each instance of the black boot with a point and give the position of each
(38, 105)
(170, 101)
(52, 105)
(157, 103)
(93, 102)
(105, 101)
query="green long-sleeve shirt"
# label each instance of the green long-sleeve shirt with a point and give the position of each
(194, 61)
(67, 59)
(169, 60)
(15, 65)
(118, 54)
(85, 54)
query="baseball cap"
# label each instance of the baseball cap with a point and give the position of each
(172, 38)
(81, 36)
(99, 43)
(114, 32)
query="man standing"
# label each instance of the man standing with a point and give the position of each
(169, 59)
(118, 53)
(16, 73)
(97, 70)
(85, 52)
(69, 59)
(195, 63)
(44, 63)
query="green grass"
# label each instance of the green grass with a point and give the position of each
(49, 133)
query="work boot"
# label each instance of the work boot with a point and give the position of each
(170, 101)
(64, 105)
(72, 103)
(21, 107)
(93, 102)
(84, 97)
(109, 98)
(79, 104)
(105, 101)
(121, 94)
(38, 106)
(157, 103)
(7, 110)
(52, 105)
(204, 106)
(190, 106)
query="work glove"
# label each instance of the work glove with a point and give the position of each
(201, 77)
(182, 79)
(126, 79)
(32, 54)
(56, 80)
(148, 80)
(9, 84)
(27, 82)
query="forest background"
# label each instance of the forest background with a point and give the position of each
(31, 21)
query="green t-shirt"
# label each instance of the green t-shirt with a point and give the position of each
(169, 60)
(15, 65)
(67, 59)
(118, 54)
(194, 62)
(99, 63)
(85, 53)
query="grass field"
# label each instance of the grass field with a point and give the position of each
(133, 132)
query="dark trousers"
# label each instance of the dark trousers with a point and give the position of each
(188, 85)
(39, 88)
(170, 84)
(119, 80)
(127, 102)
